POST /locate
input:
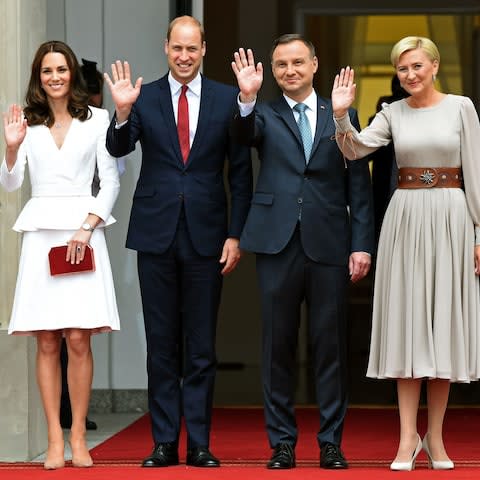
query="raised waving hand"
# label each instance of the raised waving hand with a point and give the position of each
(249, 76)
(124, 93)
(14, 126)
(343, 91)
(15, 129)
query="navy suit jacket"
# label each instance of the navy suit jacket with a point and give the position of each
(165, 184)
(331, 194)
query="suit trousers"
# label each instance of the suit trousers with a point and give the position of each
(286, 280)
(180, 297)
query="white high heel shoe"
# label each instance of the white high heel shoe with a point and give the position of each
(407, 466)
(436, 464)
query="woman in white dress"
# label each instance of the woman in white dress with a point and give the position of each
(61, 139)
(426, 299)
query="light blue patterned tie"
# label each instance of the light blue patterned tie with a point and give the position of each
(305, 130)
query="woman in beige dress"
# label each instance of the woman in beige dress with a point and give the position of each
(426, 300)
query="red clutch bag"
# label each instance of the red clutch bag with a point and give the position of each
(60, 266)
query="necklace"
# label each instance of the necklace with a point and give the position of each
(58, 125)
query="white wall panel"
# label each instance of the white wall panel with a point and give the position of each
(134, 31)
(84, 29)
(103, 31)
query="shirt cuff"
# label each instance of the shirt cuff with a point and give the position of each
(120, 125)
(245, 108)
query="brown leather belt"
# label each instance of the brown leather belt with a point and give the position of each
(428, 177)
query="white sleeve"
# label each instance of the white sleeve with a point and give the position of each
(103, 203)
(245, 108)
(355, 144)
(13, 179)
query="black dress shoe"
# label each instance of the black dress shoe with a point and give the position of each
(283, 456)
(163, 455)
(90, 424)
(332, 457)
(66, 422)
(201, 457)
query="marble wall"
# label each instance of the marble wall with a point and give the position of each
(22, 426)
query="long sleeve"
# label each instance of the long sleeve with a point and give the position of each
(355, 144)
(103, 203)
(360, 201)
(13, 179)
(469, 148)
(119, 140)
(240, 180)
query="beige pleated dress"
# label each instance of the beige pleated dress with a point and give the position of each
(426, 310)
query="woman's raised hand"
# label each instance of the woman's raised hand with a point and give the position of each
(343, 91)
(14, 127)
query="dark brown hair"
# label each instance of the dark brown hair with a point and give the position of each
(37, 110)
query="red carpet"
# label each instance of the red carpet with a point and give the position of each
(233, 473)
(370, 437)
(239, 439)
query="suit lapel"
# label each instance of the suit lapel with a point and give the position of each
(166, 107)
(204, 116)
(324, 113)
(284, 111)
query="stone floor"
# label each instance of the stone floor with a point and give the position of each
(108, 424)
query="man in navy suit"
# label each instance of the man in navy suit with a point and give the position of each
(180, 227)
(311, 227)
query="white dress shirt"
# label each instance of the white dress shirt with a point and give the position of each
(193, 97)
(311, 110)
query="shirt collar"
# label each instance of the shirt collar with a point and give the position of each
(310, 101)
(194, 86)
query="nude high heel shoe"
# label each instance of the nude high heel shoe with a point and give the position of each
(436, 464)
(55, 456)
(407, 466)
(80, 455)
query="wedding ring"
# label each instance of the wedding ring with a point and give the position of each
(79, 249)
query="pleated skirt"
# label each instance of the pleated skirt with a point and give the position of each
(426, 307)
(81, 300)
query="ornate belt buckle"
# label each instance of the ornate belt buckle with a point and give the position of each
(429, 177)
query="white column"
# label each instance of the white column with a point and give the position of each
(22, 426)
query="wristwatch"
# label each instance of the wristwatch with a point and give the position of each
(87, 227)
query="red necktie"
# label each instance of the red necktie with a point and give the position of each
(182, 124)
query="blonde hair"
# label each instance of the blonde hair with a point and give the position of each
(412, 43)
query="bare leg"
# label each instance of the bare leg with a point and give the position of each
(408, 399)
(437, 399)
(50, 386)
(79, 374)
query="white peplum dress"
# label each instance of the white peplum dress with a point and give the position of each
(426, 308)
(61, 199)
